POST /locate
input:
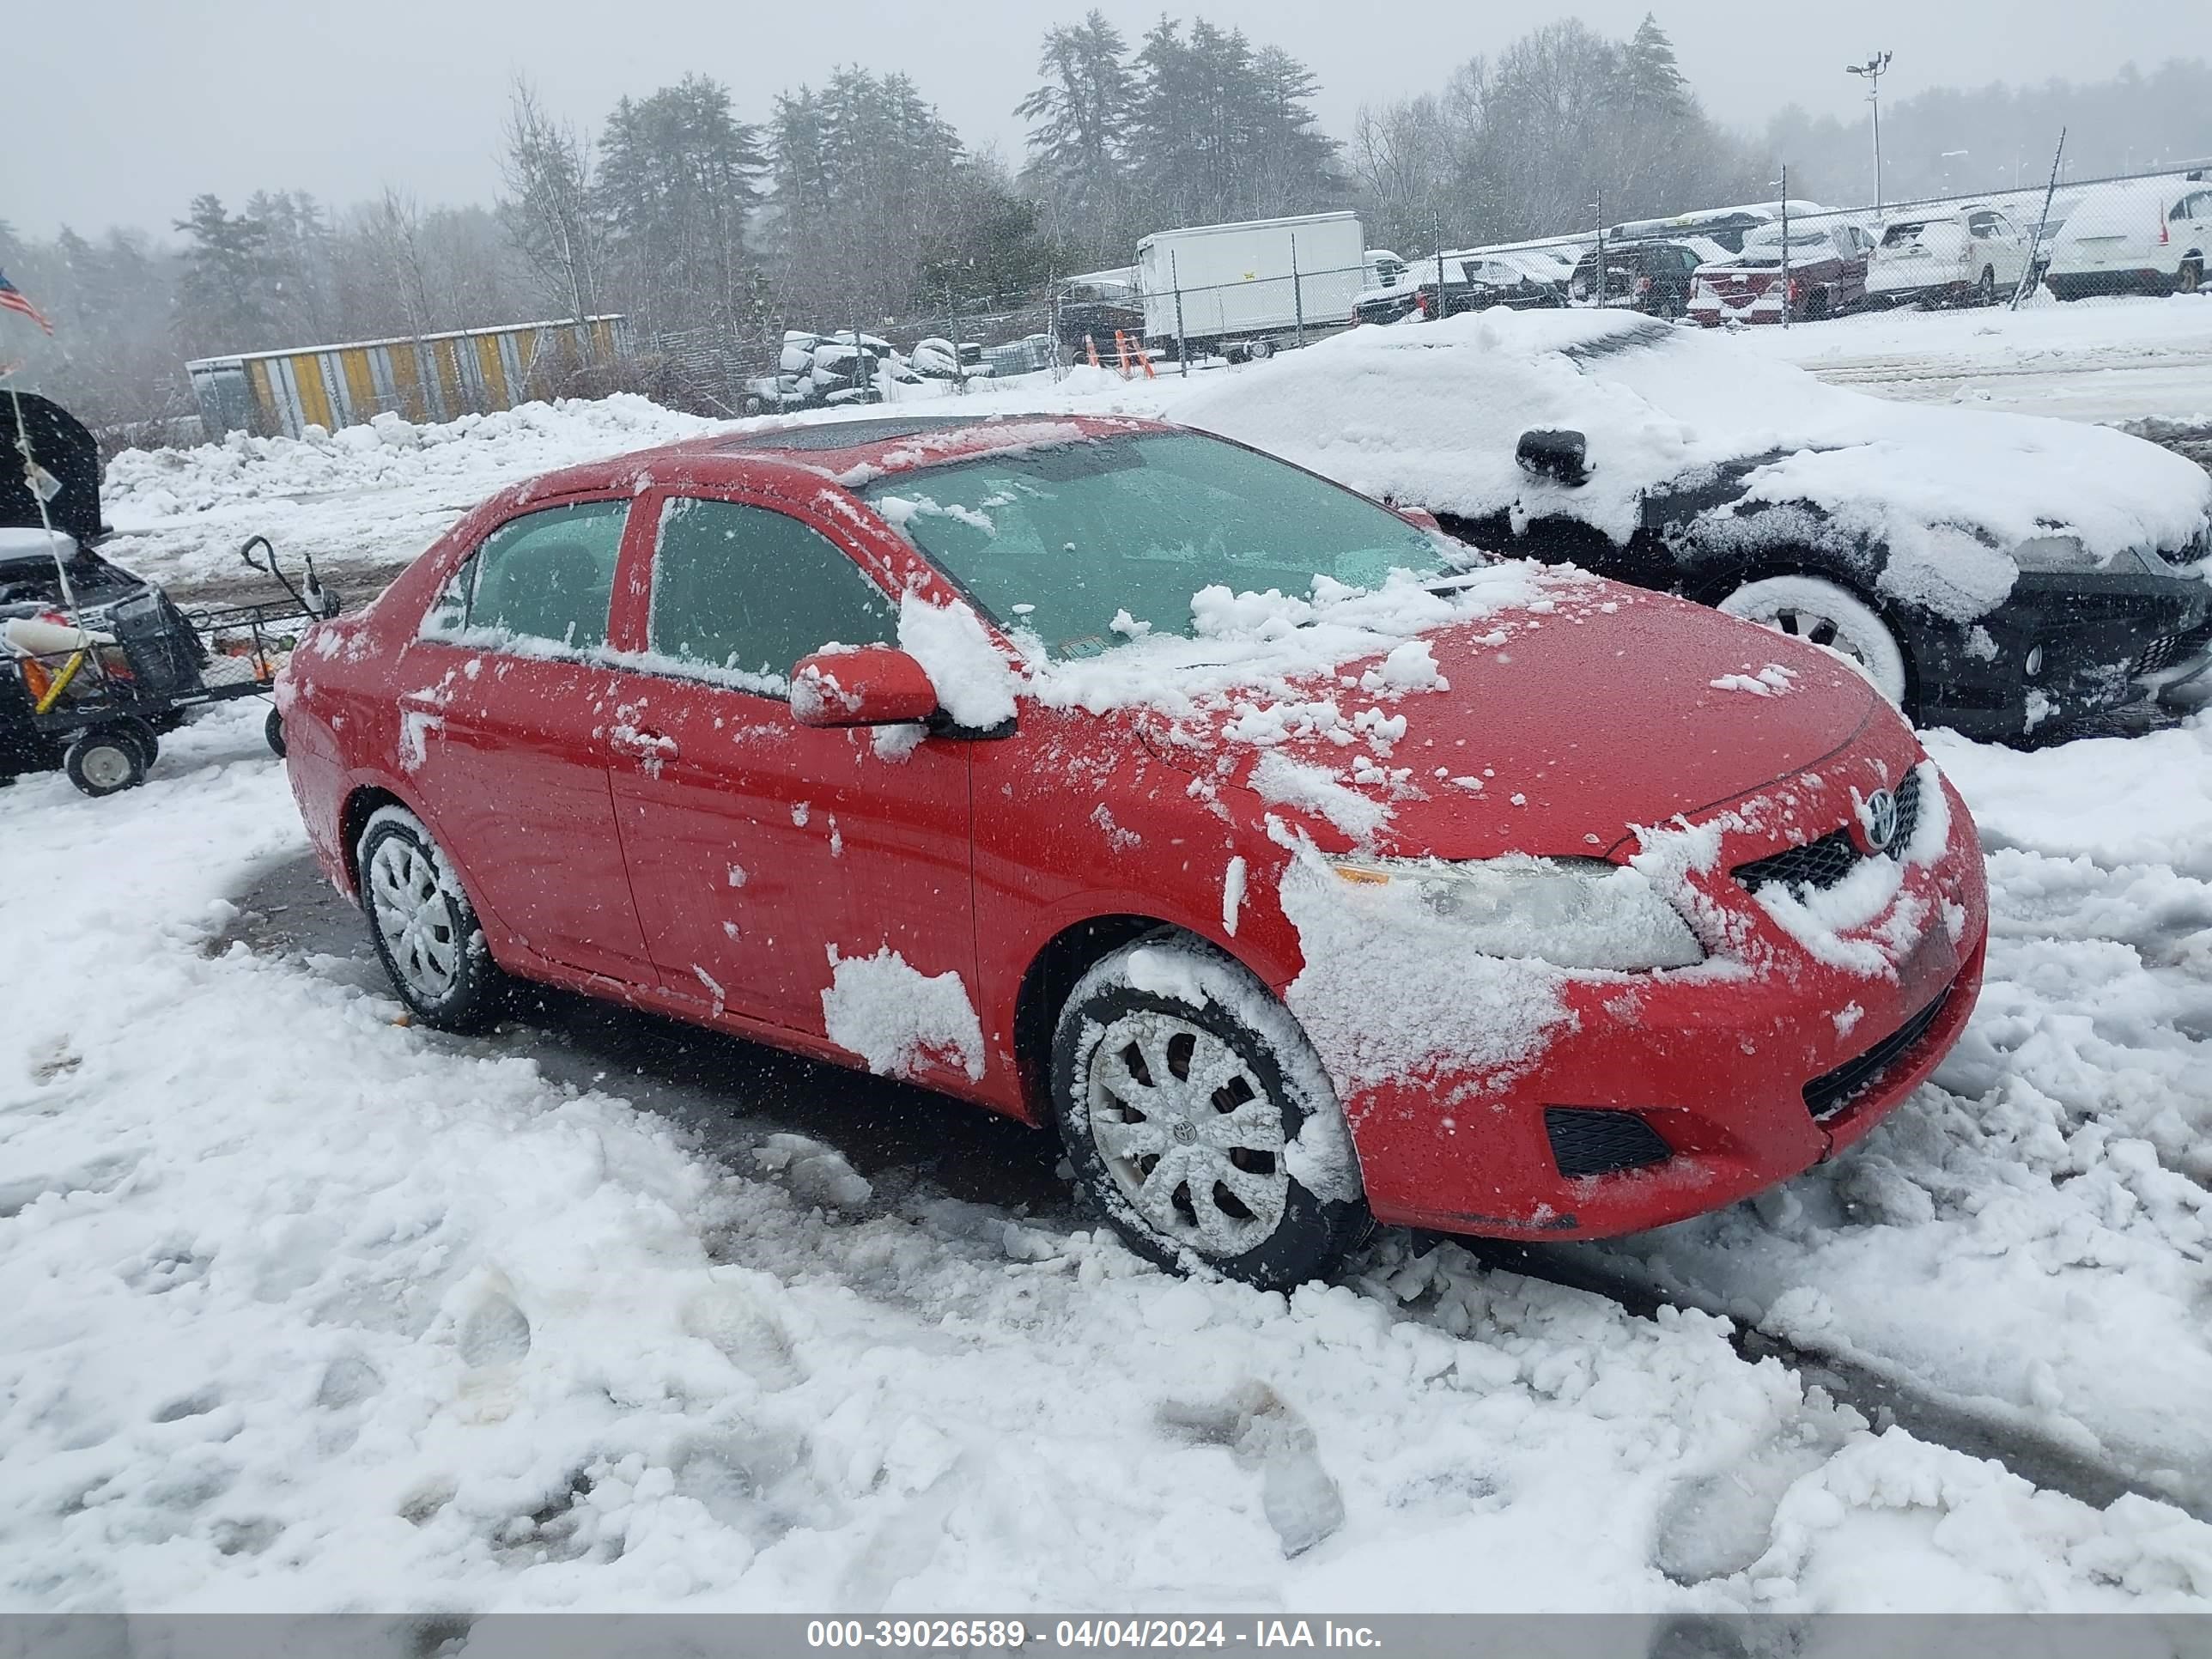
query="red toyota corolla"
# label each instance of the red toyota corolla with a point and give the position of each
(1299, 863)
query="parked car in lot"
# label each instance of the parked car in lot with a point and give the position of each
(980, 768)
(2151, 237)
(1653, 278)
(1725, 227)
(1089, 309)
(1959, 256)
(1497, 279)
(2006, 575)
(1828, 269)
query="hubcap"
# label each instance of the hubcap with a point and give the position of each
(105, 765)
(1188, 1133)
(415, 917)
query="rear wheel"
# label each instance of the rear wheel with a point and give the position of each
(1826, 614)
(1200, 1120)
(1985, 291)
(423, 927)
(272, 730)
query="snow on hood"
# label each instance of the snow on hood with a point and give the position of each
(1430, 414)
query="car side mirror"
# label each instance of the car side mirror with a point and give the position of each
(1557, 454)
(875, 685)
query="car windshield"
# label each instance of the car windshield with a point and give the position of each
(1065, 540)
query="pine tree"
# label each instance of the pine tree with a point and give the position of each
(1650, 80)
(225, 286)
(677, 179)
(1079, 117)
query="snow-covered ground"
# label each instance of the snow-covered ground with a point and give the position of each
(308, 1308)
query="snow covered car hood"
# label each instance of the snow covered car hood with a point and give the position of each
(1513, 741)
(1429, 414)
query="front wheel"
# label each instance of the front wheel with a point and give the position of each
(1985, 291)
(2189, 277)
(1199, 1121)
(272, 730)
(1826, 614)
(423, 927)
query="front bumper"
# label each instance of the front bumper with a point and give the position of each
(2064, 644)
(1745, 1081)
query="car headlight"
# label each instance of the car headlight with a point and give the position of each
(2054, 553)
(1572, 912)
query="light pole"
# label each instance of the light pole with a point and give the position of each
(1876, 62)
(1950, 155)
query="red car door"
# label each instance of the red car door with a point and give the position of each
(762, 852)
(503, 732)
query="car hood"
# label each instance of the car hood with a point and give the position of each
(1553, 731)
(1429, 416)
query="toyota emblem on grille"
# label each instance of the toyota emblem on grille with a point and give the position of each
(1879, 819)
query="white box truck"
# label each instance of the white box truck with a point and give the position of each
(1247, 289)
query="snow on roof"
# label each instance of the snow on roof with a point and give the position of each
(1431, 416)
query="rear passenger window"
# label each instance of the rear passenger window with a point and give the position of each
(740, 593)
(547, 576)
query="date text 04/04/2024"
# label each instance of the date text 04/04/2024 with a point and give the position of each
(1082, 1634)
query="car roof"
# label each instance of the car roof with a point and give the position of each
(806, 454)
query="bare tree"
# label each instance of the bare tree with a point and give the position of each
(546, 168)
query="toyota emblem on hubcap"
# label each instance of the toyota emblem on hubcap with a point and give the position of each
(1879, 820)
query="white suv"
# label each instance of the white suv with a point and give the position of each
(1965, 255)
(2150, 238)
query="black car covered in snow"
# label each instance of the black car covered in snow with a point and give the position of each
(2005, 575)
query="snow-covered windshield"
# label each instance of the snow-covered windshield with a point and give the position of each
(1087, 544)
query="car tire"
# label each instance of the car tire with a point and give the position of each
(2189, 277)
(1816, 307)
(107, 760)
(1829, 614)
(1131, 1038)
(272, 731)
(422, 926)
(1985, 291)
(1260, 350)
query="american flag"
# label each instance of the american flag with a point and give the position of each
(11, 299)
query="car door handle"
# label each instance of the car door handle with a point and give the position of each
(645, 745)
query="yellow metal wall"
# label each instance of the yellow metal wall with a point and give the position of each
(335, 386)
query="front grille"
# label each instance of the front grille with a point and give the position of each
(1820, 864)
(2168, 649)
(1829, 1093)
(1590, 1141)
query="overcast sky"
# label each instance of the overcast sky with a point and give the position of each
(123, 109)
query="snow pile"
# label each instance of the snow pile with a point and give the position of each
(973, 677)
(1367, 947)
(899, 1019)
(1432, 415)
(389, 452)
